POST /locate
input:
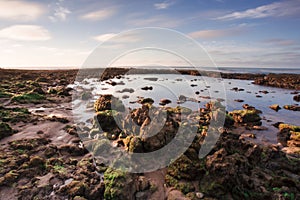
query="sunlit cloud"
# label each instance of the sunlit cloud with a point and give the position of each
(99, 14)
(25, 33)
(20, 10)
(212, 34)
(276, 9)
(279, 42)
(114, 38)
(60, 12)
(104, 37)
(163, 5)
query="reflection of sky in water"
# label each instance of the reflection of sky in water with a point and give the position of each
(171, 86)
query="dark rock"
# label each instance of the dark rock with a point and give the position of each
(147, 88)
(165, 101)
(297, 98)
(5, 130)
(146, 100)
(239, 100)
(108, 102)
(292, 107)
(107, 121)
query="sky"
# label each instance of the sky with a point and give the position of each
(235, 33)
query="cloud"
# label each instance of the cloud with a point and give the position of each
(25, 33)
(99, 14)
(159, 21)
(104, 37)
(211, 34)
(123, 38)
(60, 12)
(276, 9)
(279, 42)
(163, 5)
(20, 10)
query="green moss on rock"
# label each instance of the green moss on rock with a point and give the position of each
(5, 130)
(30, 97)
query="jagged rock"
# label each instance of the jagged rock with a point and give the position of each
(107, 121)
(164, 101)
(292, 107)
(246, 117)
(108, 102)
(275, 107)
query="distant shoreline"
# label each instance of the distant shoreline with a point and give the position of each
(280, 80)
(240, 70)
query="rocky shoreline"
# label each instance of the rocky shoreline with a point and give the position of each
(42, 155)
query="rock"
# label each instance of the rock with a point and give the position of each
(289, 81)
(141, 195)
(264, 92)
(30, 97)
(258, 96)
(229, 121)
(135, 145)
(292, 107)
(151, 79)
(246, 116)
(38, 90)
(146, 100)
(129, 90)
(297, 98)
(275, 107)
(235, 89)
(118, 185)
(165, 101)
(259, 128)
(107, 121)
(239, 100)
(176, 195)
(248, 107)
(199, 195)
(36, 161)
(108, 102)
(125, 97)
(143, 183)
(5, 130)
(147, 88)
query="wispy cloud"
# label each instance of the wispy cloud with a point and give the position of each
(104, 37)
(20, 10)
(122, 38)
(163, 5)
(60, 12)
(99, 14)
(214, 33)
(279, 42)
(276, 9)
(159, 21)
(25, 33)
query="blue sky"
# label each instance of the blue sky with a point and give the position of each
(236, 33)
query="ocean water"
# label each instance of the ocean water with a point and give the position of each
(171, 86)
(253, 70)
